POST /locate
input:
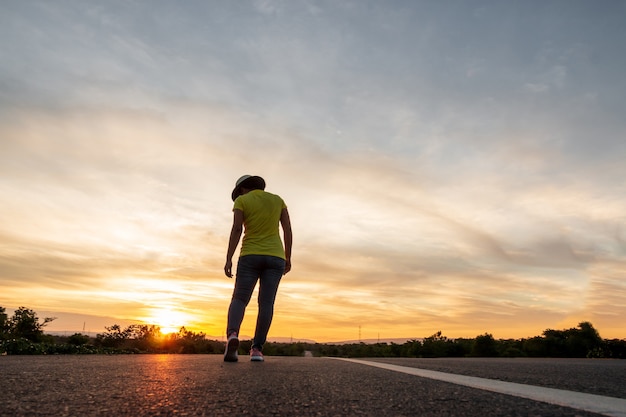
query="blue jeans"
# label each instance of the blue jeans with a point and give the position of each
(250, 268)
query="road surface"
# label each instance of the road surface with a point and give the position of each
(203, 385)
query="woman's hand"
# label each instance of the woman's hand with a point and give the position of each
(228, 268)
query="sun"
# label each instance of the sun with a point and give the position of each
(168, 319)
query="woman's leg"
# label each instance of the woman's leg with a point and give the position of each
(248, 271)
(270, 278)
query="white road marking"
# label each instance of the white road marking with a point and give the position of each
(608, 406)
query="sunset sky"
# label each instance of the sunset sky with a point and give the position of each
(454, 166)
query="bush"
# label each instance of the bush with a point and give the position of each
(484, 345)
(22, 346)
(78, 339)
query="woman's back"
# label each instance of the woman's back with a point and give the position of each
(261, 216)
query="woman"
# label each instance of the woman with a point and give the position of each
(257, 213)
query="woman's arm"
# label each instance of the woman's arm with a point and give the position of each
(286, 224)
(235, 235)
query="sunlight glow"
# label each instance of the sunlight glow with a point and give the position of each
(168, 319)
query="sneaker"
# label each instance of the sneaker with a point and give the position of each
(232, 346)
(256, 355)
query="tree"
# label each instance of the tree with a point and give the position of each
(191, 342)
(577, 342)
(25, 323)
(145, 337)
(484, 345)
(78, 339)
(582, 340)
(436, 346)
(140, 337)
(114, 336)
(4, 323)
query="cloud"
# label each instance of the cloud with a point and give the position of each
(458, 172)
(536, 87)
(426, 245)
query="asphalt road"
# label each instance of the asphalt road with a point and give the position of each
(203, 385)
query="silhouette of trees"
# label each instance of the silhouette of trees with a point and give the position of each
(78, 339)
(438, 345)
(23, 334)
(581, 341)
(574, 343)
(113, 337)
(4, 323)
(484, 345)
(614, 348)
(186, 341)
(25, 324)
(141, 338)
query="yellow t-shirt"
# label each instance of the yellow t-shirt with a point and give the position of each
(261, 217)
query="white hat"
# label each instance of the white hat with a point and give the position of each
(241, 183)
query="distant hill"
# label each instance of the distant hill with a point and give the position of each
(398, 341)
(289, 340)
